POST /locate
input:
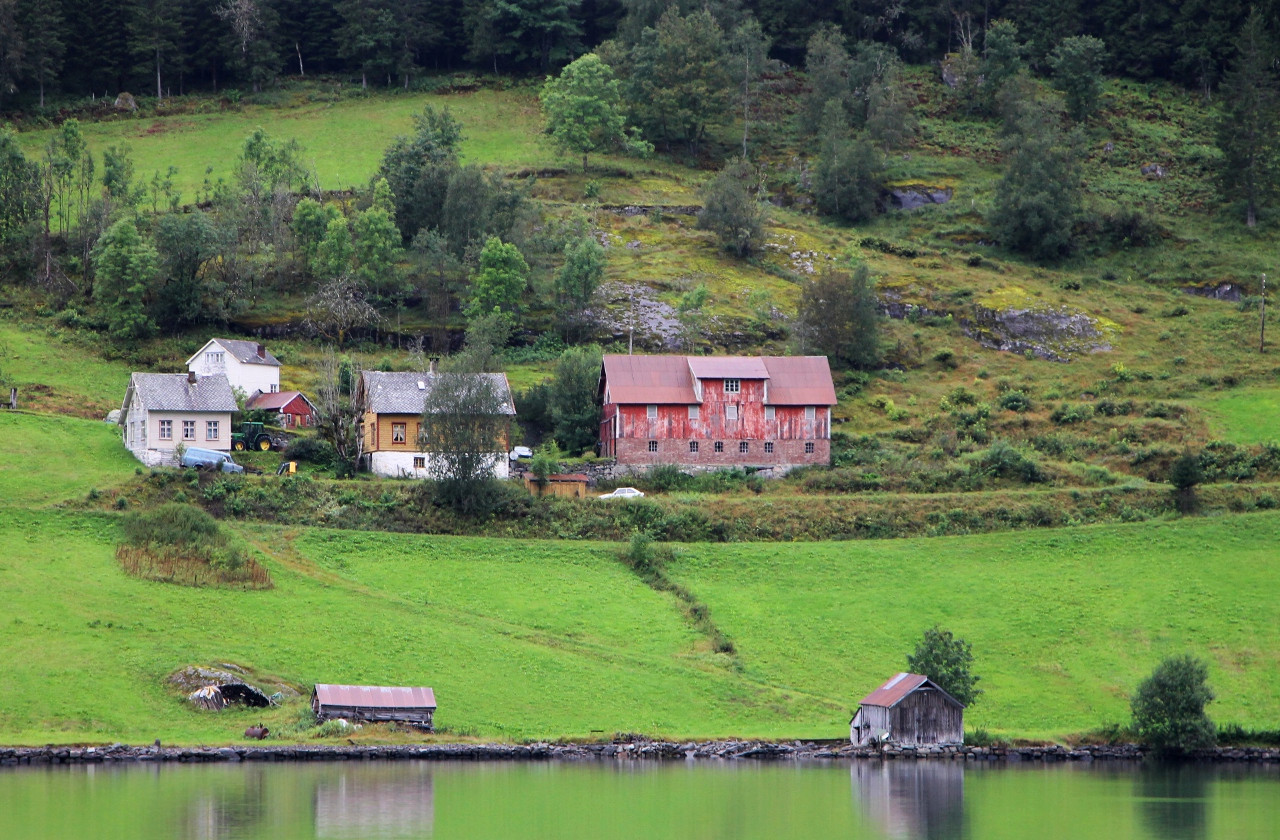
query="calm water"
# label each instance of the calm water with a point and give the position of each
(644, 800)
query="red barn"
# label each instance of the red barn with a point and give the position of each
(700, 412)
(293, 409)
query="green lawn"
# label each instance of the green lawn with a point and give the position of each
(538, 639)
(343, 140)
(55, 374)
(1245, 416)
(77, 456)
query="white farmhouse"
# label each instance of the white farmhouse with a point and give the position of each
(164, 410)
(247, 365)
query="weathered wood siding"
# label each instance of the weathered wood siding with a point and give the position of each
(926, 716)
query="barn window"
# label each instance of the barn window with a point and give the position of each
(769, 412)
(188, 430)
(810, 412)
(653, 446)
(731, 412)
(694, 412)
(419, 462)
(211, 430)
(744, 447)
(768, 447)
(693, 447)
(397, 432)
(166, 430)
(732, 386)
(651, 411)
(719, 447)
(808, 447)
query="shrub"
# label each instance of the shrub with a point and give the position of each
(1168, 707)
(947, 661)
(311, 450)
(1068, 413)
(1015, 401)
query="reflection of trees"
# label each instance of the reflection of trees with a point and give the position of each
(393, 800)
(912, 799)
(1173, 800)
(231, 806)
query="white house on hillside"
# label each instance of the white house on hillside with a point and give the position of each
(247, 365)
(162, 410)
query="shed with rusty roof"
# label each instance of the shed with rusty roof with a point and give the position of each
(908, 709)
(399, 704)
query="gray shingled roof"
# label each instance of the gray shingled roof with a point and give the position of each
(245, 351)
(398, 392)
(173, 392)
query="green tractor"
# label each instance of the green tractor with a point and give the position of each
(250, 436)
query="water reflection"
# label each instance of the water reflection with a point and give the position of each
(912, 799)
(234, 807)
(388, 801)
(1173, 801)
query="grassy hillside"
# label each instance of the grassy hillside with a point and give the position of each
(49, 459)
(529, 639)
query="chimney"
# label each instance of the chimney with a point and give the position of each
(435, 364)
(191, 377)
(262, 351)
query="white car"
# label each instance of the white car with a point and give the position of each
(623, 493)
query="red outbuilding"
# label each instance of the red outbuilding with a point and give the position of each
(293, 408)
(700, 412)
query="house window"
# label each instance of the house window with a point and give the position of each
(808, 447)
(719, 447)
(166, 430)
(768, 447)
(769, 412)
(693, 447)
(732, 386)
(275, 389)
(215, 360)
(731, 412)
(810, 412)
(420, 462)
(694, 412)
(188, 430)
(397, 432)
(651, 412)
(211, 430)
(653, 446)
(417, 432)
(744, 447)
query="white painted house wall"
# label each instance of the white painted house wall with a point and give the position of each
(142, 433)
(213, 358)
(401, 464)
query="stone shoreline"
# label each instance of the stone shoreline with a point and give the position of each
(642, 750)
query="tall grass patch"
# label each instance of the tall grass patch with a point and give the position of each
(181, 544)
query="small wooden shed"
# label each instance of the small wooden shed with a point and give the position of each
(564, 485)
(908, 709)
(399, 704)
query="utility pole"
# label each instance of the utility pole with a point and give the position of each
(1262, 326)
(631, 329)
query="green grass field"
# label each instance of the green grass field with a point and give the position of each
(1249, 417)
(76, 456)
(545, 640)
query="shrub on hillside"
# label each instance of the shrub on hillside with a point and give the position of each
(182, 544)
(1168, 707)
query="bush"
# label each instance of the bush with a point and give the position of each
(311, 450)
(1168, 707)
(1068, 413)
(1015, 401)
(947, 661)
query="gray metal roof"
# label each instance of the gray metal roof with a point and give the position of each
(245, 352)
(175, 392)
(406, 392)
(900, 687)
(376, 696)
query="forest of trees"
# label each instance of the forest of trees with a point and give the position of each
(166, 47)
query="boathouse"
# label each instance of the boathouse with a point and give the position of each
(908, 709)
(375, 703)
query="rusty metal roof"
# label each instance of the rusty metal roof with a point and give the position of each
(669, 380)
(276, 401)
(896, 689)
(648, 379)
(376, 696)
(728, 367)
(799, 380)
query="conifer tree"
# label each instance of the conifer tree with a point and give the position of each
(1248, 121)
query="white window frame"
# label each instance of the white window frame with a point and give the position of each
(211, 430)
(166, 430)
(733, 386)
(743, 447)
(768, 447)
(402, 429)
(651, 412)
(731, 411)
(653, 446)
(719, 447)
(695, 412)
(770, 413)
(188, 430)
(275, 389)
(811, 412)
(693, 447)
(215, 359)
(419, 462)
